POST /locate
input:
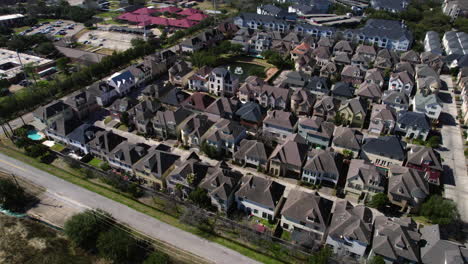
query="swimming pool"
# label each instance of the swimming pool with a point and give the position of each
(35, 135)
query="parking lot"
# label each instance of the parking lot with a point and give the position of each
(55, 28)
(108, 39)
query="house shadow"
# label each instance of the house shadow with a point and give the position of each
(447, 119)
(446, 98)
(447, 177)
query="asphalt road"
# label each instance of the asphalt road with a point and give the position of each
(141, 222)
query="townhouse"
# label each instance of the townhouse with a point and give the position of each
(278, 125)
(364, 180)
(322, 167)
(384, 151)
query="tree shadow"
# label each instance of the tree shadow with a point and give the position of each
(447, 119)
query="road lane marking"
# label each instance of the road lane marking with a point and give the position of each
(12, 165)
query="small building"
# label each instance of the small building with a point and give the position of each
(364, 180)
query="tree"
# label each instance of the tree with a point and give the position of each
(62, 65)
(125, 119)
(439, 210)
(12, 196)
(379, 201)
(200, 197)
(84, 228)
(376, 260)
(46, 48)
(433, 142)
(157, 257)
(118, 246)
(338, 119)
(321, 257)
(36, 150)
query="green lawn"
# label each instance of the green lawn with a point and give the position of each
(57, 147)
(247, 68)
(263, 222)
(122, 127)
(286, 235)
(107, 120)
(95, 162)
(20, 29)
(108, 14)
(78, 179)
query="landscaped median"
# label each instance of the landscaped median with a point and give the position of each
(75, 176)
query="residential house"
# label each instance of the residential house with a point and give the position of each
(52, 112)
(322, 167)
(222, 107)
(198, 102)
(384, 151)
(401, 82)
(407, 187)
(225, 135)
(318, 86)
(78, 139)
(222, 82)
(455, 42)
(388, 58)
(384, 33)
(250, 115)
(341, 58)
(152, 168)
(322, 55)
(343, 46)
(221, 183)
(259, 196)
(364, 180)
(81, 103)
(342, 91)
(255, 21)
(413, 125)
(104, 143)
(361, 61)
(326, 107)
(306, 211)
(155, 91)
(269, 10)
(433, 60)
(178, 73)
(199, 79)
(396, 100)
(438, 248)
(427, 80)
(186, 176)
(396, 240)
(432, 43)
(383, 119)
(370, 92)
(316, 131)
(374, 76)
(455, 8)
(123, 82)
(350, 231)
(193, 129)
(405, 67)
(353, 111)
(141, 73)
(125, 155)
(296, 80)
(302, 102)
(142, 114)
(410, 56)
(160, 62)
(366, 51)
(103, 93)
(278, 125)
(260, 42)
(430, 105)
(352, 74)
(256, 89)
(122, 106)
(347, 140)
(329, 70)
(252, 153)
(207, 38)
(300, 50)
(166, 123)
(60, 128)
(288, 157)
(390, 6)
(426, 160)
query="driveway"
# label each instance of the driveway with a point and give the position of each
(141, 222)
(455, 178)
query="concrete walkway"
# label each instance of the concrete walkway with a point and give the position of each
(455, 178)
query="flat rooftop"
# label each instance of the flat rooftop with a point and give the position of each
(9, 17)
(10, 64)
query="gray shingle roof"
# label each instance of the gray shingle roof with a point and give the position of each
(407, 183)
(263, 191)
(388, 146)
(323, 161)
(413, 119)
(346, 137)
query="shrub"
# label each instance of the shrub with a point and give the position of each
(379, 201)
(439, 210)
(12, 196)
(84, 228)
(118, 246)
(105, 166)
(36, 150)
(157, 257)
